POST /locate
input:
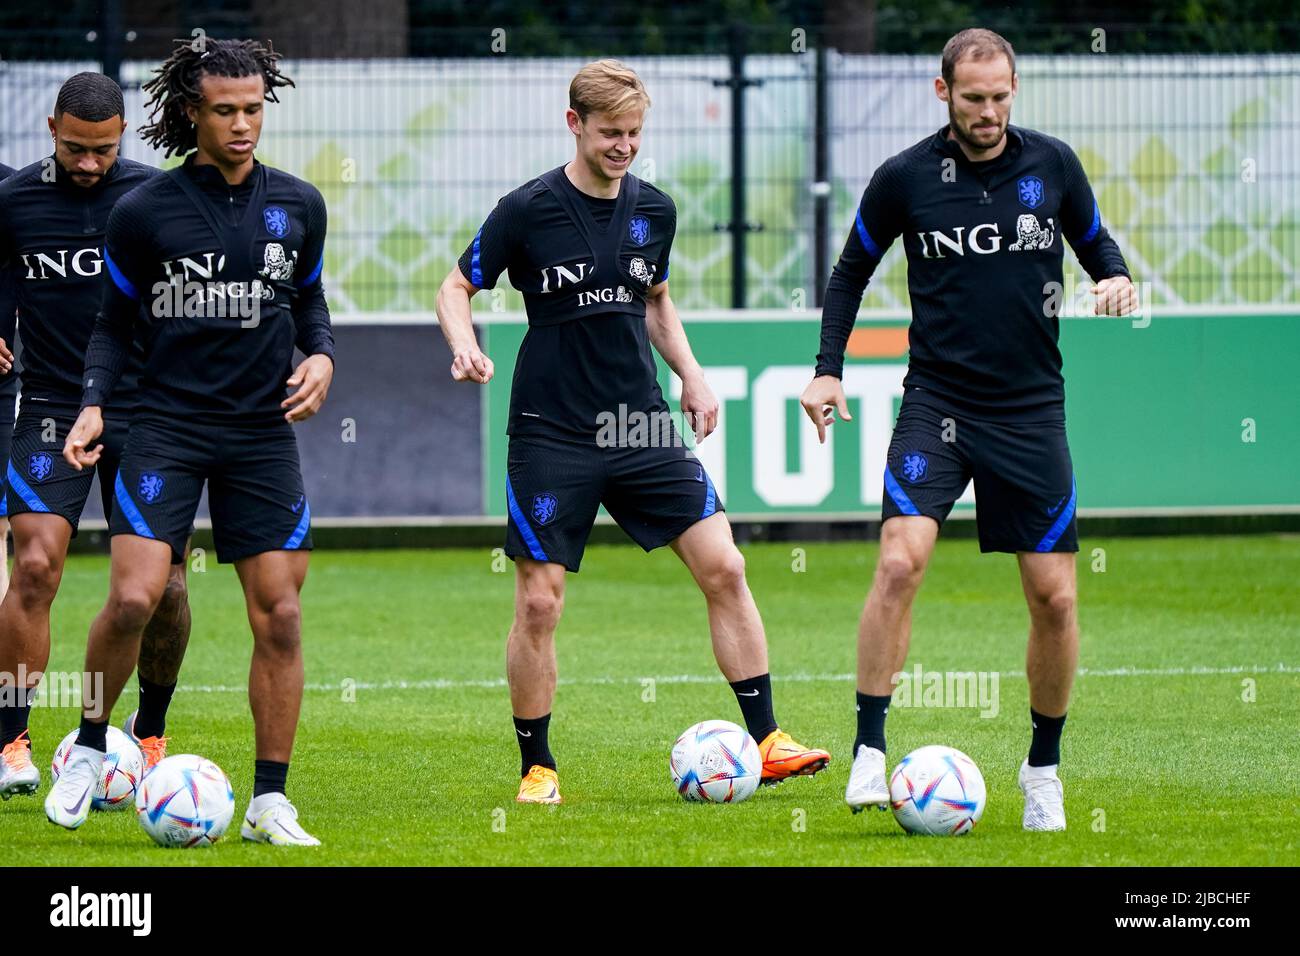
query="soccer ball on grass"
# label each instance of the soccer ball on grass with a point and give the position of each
(716, 761)
(937, 791)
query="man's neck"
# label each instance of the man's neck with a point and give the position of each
(979, 155)
(233, 175)
(585, 181)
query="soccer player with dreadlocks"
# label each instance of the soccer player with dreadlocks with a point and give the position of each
(228, 254)
(8, 397)
(52, 219)
(8, 393)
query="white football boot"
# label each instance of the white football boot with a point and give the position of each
(1044, 798)
(68, 803)
(867, 784)
(17, 772)
(272, 819)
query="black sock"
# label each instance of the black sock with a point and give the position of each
(1045, 749)
(754, 695)
(15, 711)
(534, 749)
(269, 776)
(151, 718)
(93, 735)
(871, 722)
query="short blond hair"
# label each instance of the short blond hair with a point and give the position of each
(607, 86)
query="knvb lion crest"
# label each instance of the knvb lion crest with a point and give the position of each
(914, 466)
(1030, 189)
(151, 486)
(544, 508)
(275, 264)
(639, 230)
(277, 221)
(638, 270)
(1031, 234)
(40, 465)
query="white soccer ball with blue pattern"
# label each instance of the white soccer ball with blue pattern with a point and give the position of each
(122, 770)
(185, 801)
(937, 791)
(716, 762)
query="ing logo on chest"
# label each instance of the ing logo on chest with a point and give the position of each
(59, 263)
(986, 238)
(556, 277)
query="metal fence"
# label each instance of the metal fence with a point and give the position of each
(1194, 159)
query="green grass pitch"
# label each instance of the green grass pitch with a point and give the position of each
(1179, 750)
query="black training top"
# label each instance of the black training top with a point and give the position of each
(231, 276)
(984, 247)
(584, 265)
(51, 236)
(8, 320)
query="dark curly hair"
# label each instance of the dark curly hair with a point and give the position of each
(176, 84)
(92, 97)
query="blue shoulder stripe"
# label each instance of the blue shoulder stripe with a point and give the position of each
(868, 243)
(1095, 227)
(119, 277)
(315, 273)
(475, 268)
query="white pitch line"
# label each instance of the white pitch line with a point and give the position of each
(443, 684)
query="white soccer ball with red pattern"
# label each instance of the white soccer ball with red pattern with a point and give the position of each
(716, 762)
(937, 791)
(185, 801)
(121, 774)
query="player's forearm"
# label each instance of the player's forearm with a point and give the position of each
(311, 319)
(109, 348)
(668, 336)
(839, 313)
(8, 308)
(455, 317)
(1096, 250)
(1102, 259)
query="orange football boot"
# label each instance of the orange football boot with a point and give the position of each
(542, 785)
(783, 758)
(154, 750)
(17, 772)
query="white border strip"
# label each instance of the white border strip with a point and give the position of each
(759, 518)
(866, 316)
(782, 517)
(500, 682)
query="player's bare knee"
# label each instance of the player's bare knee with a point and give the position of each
(1053, 606)
(130, 608)
(36, 575)
(898, 574)
(285, 619)
(725, 575)
(538, 610)
(281, 630)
